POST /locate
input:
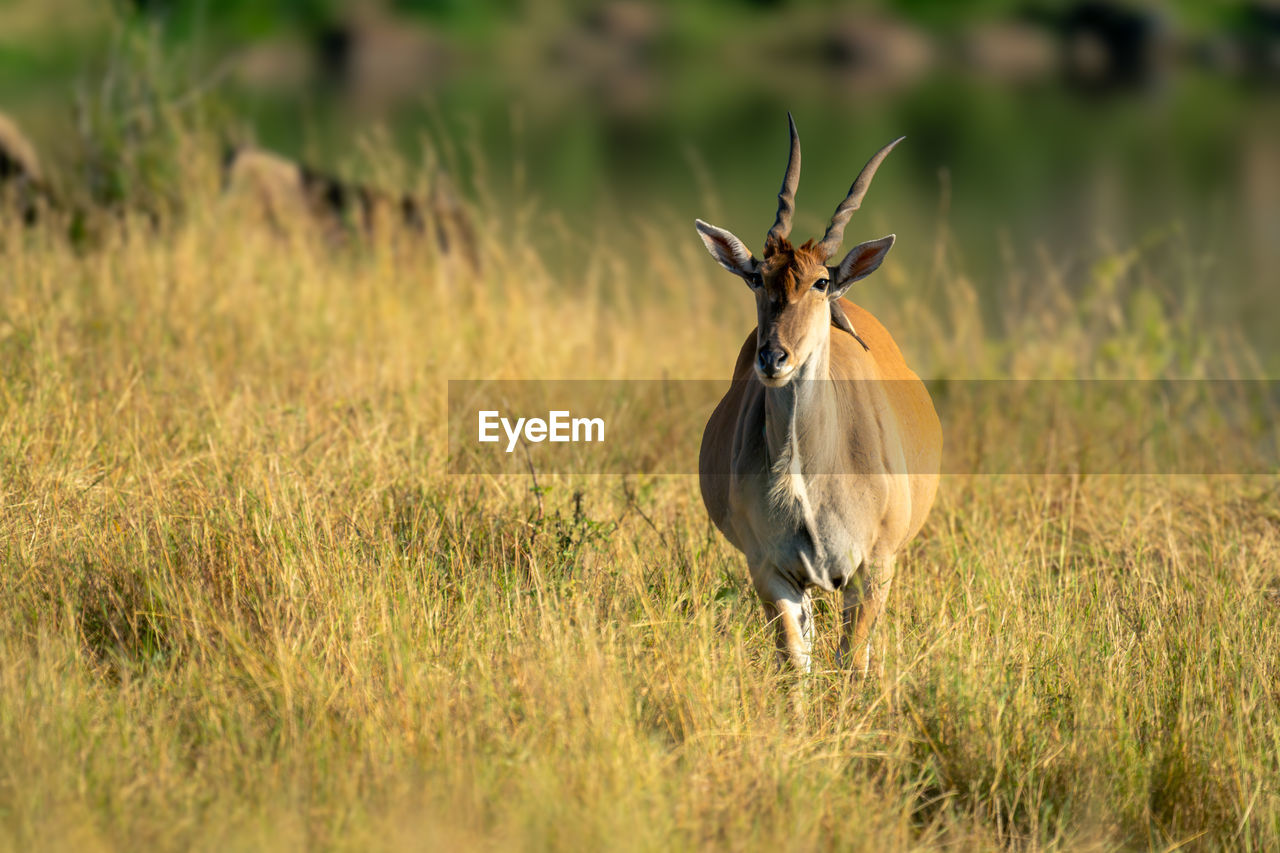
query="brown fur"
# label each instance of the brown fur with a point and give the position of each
(888, 425)
(822, 459)
(789, 271)
(907, 397)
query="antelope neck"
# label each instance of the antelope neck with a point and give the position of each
(799, 418)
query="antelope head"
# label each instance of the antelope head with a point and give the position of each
(797, 291)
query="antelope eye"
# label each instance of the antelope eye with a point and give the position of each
(756, 279)
(822, 284)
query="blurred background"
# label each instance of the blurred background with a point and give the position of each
(1042, 137)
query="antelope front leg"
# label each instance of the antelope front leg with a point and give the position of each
(791, 613)
(864, 598)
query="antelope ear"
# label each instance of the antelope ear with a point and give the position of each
(861, 262)
(728, 251)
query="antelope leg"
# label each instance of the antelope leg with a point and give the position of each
(791, 613)
(864, 599)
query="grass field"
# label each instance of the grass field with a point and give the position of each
(245, 607)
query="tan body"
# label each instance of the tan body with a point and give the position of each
(890, 445)
(821, 461)
(902, 404)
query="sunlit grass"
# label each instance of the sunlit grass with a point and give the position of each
(246, 606)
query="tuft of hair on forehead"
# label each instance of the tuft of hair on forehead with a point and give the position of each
(785, 266)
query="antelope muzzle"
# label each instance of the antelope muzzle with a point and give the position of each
(774, 365)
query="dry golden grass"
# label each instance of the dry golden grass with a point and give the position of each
(246, 607)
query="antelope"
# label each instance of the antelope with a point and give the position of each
(821, 461)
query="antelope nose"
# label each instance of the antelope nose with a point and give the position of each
(772, 361)
(837, 580)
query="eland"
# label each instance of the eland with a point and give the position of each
(821, 461)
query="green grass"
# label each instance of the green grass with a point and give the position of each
(245, 606)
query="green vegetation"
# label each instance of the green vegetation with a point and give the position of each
(679, 116)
